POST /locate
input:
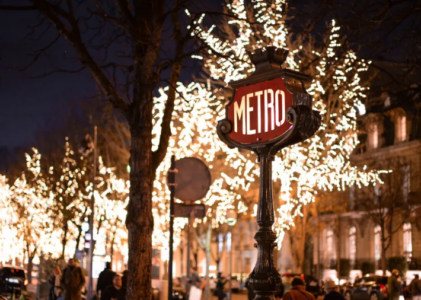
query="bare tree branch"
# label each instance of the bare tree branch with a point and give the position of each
(164, 138)
(74, 38)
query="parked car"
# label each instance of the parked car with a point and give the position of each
(312, 284)
(12, 280)
(370, 287)
(178, 295)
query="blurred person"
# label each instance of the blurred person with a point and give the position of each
(332, 292)
(278, 295)
(357, 278)
(220, 286)
(72, 281)
(415, 288)
(194, 280)
(105, 279)
(286, 282)
(116, 291)
(298, 291)
(393, 284)
(125, 278)
(55, 283)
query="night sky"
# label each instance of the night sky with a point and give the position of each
(28, 105)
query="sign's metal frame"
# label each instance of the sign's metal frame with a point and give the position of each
(265, 279)
(305, 121)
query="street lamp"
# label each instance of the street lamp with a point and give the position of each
(231, 217)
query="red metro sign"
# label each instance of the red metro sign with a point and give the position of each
(269, 110)
(258, 112)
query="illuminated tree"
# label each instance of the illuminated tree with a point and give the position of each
(32, 213)
(111, 200)
(38, 207)
(10, 244)
(71, 186)
(321, 162)
(123, 46)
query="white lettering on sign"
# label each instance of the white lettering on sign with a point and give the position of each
(249, 110)
(274, 111)
(238, 112)
(278, 109)
(259, 115)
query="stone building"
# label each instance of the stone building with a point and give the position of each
(350, 242)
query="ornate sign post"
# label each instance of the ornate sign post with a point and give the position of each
(269, 110)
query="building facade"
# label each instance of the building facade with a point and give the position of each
(381, 220)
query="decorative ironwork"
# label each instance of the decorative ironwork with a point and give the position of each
(265, 279)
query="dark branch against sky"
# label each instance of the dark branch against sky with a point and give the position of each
(27, 105)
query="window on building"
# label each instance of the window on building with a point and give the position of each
(220, 242)
(374, 136)
(377, 243)
(407, 241)
(329, 245)
(229, 240)
(352, 244)
(352, 197)
(377, 193)
(239, 238)
(406, 182)
(401, 129)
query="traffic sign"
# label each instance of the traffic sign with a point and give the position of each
(192, 180)
(189, 210)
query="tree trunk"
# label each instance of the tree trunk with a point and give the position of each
(195, 257)
(208, 258)
(64, 240)
(139, 220)
(181, 247)
(41, 267)
(338, 248)
(298, 240)
(383, 258)
(112, 246)
(383, 253)
(319, 273)
(240, 264)
(79, 235)
(30, 267)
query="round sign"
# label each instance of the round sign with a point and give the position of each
(192, 179)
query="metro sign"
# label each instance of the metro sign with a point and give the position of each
(258, 112)
(269, 110)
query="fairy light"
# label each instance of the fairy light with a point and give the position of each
(323, 161)
(35, 205)
(320, 163)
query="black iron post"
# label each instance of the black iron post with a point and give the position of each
(188, 248)
(172, 187)
(265, 279)
(91, 222)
